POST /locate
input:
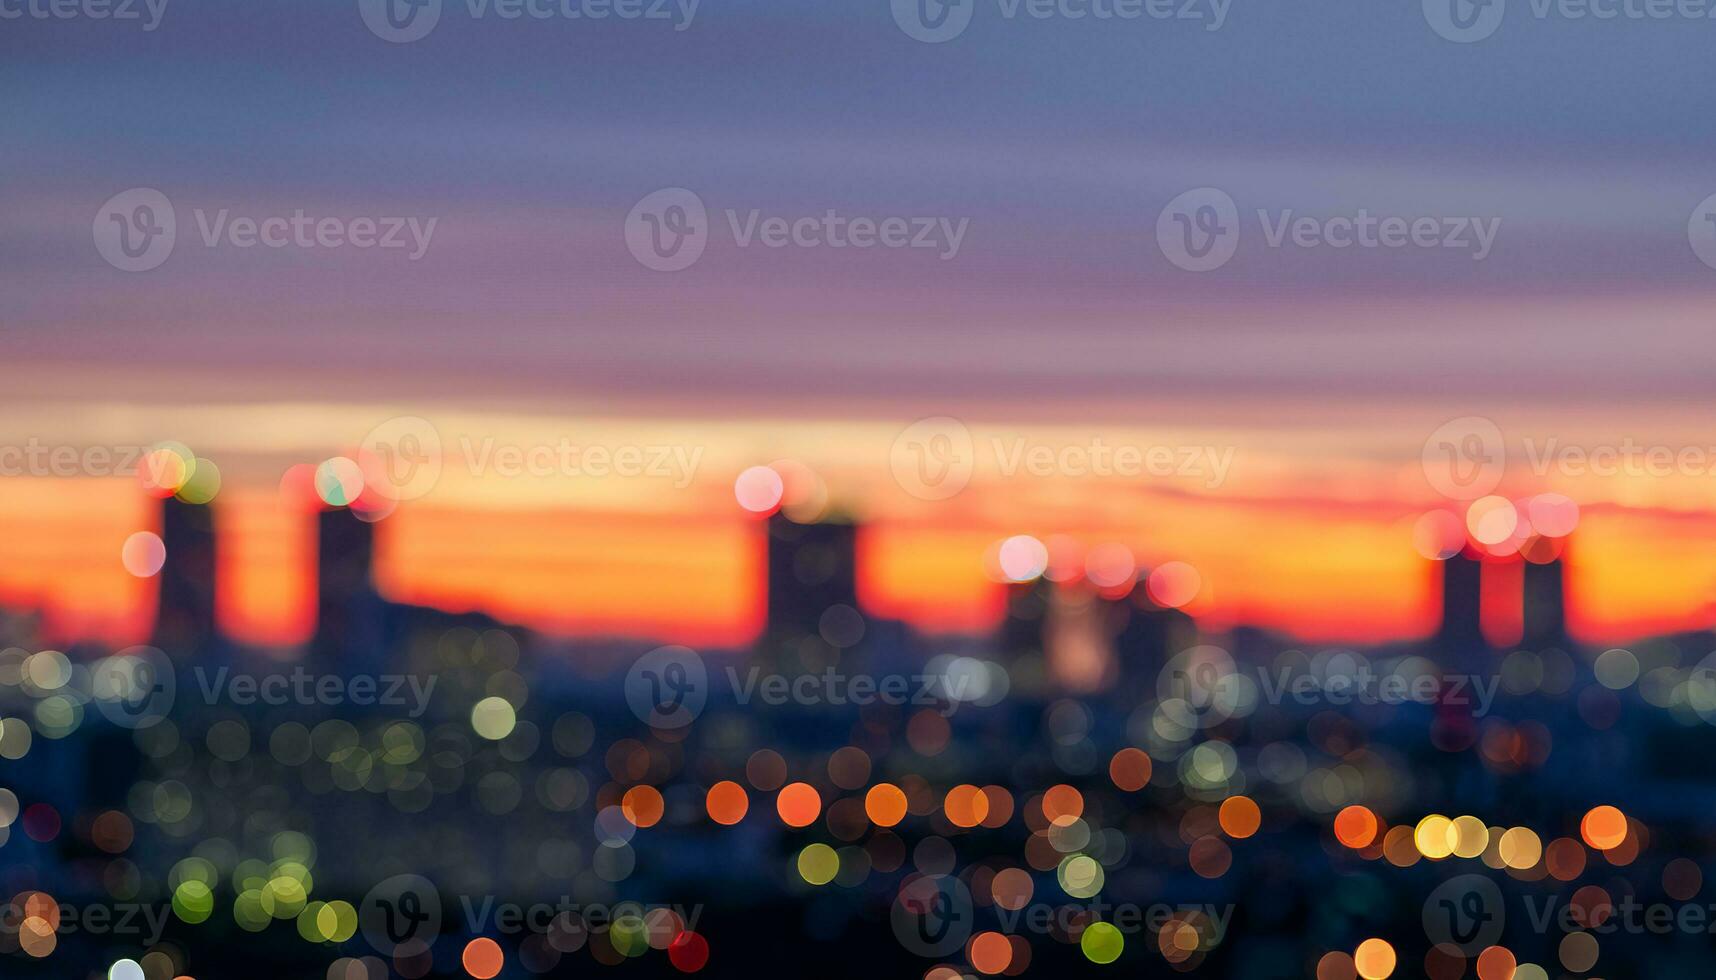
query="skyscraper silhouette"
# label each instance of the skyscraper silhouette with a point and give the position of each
(185, 611)
(350, 615)
(812, 567)
(1461, 635)
(1022, 627)
(1545, 605)
(1147, 637)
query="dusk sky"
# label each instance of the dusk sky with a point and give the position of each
(1055, 144)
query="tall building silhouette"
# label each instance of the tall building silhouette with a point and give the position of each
(1462, 632)
(350, 615)
(185, 611)
(1545, 605)
(1021, 634)
(1146, 637)
(811, 568)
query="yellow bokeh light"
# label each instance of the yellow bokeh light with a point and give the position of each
(1374, 959)
(1435, 837)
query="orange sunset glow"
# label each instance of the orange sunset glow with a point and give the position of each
(689, 567)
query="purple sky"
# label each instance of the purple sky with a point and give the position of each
(1057, 142)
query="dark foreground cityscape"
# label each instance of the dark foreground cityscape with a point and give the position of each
(424, 794)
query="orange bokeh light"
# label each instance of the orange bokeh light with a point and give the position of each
(642, 805)
(1240, 817)
(885, 804)
(1356, 827)
(727, 802)
(1604, 828)
(799, 804)
(482, 958)
(1130, 769)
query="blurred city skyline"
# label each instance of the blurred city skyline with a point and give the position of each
(1059, 318)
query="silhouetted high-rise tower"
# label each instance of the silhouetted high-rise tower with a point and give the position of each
(349, 614)
(1147, 637)
(812, 567)
(1545, 605)
(1462, 601)
(185, 615)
